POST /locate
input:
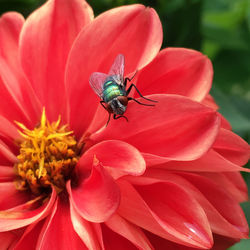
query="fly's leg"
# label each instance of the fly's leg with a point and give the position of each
(101, 102)
(117, 117)
(130, 98)
(108, 120)
(129, 89)
(129, 79)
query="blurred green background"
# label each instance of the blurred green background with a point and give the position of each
(218, 28)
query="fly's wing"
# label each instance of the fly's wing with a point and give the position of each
(117, 69)
(96, 81)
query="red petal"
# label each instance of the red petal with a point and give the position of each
(30, 236)
(168, 212)
(175, 207)
(9, 135)
(7, 239)
(218, 222)
(18, 101)
(10, 196)
(225, 123)
(163, 244)
(6, 155)
(53, 27)
(113, 241)
(226, 181)
(11, 107)
(222, 201)
(232, 147)
(85, 230)
(7, 129)
(237, 180)
(120, 158)
(99, 120)
(97, 197)
(220, 243)
(10, 26)
(176, 128)
(12, 146)
(210, 162)
(210, 102)
(129, 231)
(6, 173)
(58, 232)
(98, 231)
(223, 243)
(177, 71)
(24, 215)
(134, 31)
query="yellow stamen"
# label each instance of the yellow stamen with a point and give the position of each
(43, 119)
(48, 155)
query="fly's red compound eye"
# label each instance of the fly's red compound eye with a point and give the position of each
(123, 100)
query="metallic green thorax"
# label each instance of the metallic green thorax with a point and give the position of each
(112, 90)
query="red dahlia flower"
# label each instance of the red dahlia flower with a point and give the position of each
(167, 179)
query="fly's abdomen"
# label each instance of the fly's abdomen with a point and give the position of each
(111, 91)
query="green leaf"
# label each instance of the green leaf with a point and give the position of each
(248, 14)
(239, 121)
(242, 245)
(232, 72)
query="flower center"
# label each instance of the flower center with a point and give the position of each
(48, 156)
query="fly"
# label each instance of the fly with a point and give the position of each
(111, 88)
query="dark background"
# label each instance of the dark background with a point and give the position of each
(218, 28)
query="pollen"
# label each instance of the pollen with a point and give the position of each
(48, 156)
